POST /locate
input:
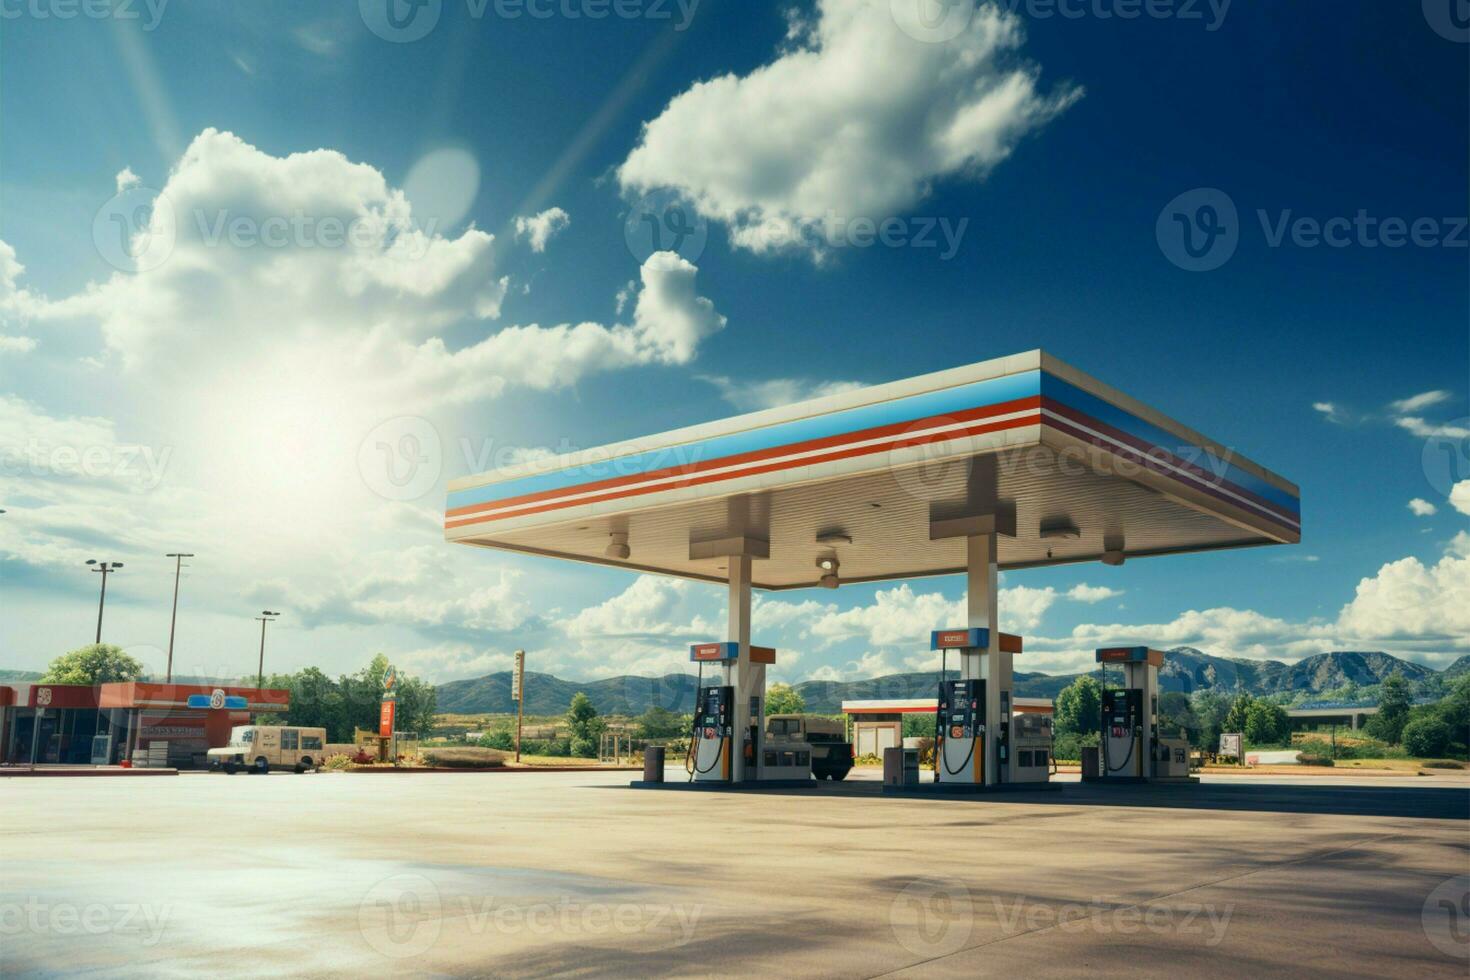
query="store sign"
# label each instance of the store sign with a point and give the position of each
(1230, 744)
(385, 719)
(168, 731)
(216, 700)
(518, 676)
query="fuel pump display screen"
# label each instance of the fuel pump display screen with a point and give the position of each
(960, 710)
(713, 718)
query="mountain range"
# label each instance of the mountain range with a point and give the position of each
(1185, 669)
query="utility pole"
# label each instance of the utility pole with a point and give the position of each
(178, 558)
(106, 568)
(265, 617)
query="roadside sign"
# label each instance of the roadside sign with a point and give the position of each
(390, 684)
(1230, 744)
(385, 719)
(517, 676)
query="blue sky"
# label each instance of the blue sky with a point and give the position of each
(214, 394)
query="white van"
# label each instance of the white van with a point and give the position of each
(263, 747)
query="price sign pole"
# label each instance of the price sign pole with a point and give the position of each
(388, 717)
(517, 692)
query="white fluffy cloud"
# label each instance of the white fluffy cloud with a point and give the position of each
(652, 606)
(538, 229)
(881, 116)
(1083, 592)
(669, 322)
(248, 260)
(1330, 411)
(751, 396)
(1425, 429)
(273, 314)
(1460, 497)
(1408, 600)
(900, 617)
(1419, 402)
(1420, 507)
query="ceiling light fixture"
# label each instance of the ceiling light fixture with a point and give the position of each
(618, 546)
(829, 565)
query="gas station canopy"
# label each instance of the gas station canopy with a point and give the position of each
(887, 481)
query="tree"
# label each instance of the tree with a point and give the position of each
(1079, 706)
(353, 700)
(659, 722)
(95, 663)
(1426, 736)
(1210, 711)
(1266, 723)
(1455, 709)
(1240, 708)
(584, 725)
(782, 699)
(1175, 712)
(1393, 710)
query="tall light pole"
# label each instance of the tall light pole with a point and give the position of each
(265, 617)
(106, 568)
(173, 618)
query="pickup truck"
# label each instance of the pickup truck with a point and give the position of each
(831, 751)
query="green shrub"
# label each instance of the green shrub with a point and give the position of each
(1306, 759)
(502, 740)
(1443, 764)
(555, 746)
(1426, 736)
(338, 763)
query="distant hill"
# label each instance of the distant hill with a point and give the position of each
(550, 695)
(1185, 669)
(1461, 666)
(20, 675)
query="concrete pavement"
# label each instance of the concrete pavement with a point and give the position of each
(574, 874)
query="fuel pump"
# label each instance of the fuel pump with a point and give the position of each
(1129, 746)
(973, 722)
(721, 747)
(1121, 739)
(711, 739)
(959, 732)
